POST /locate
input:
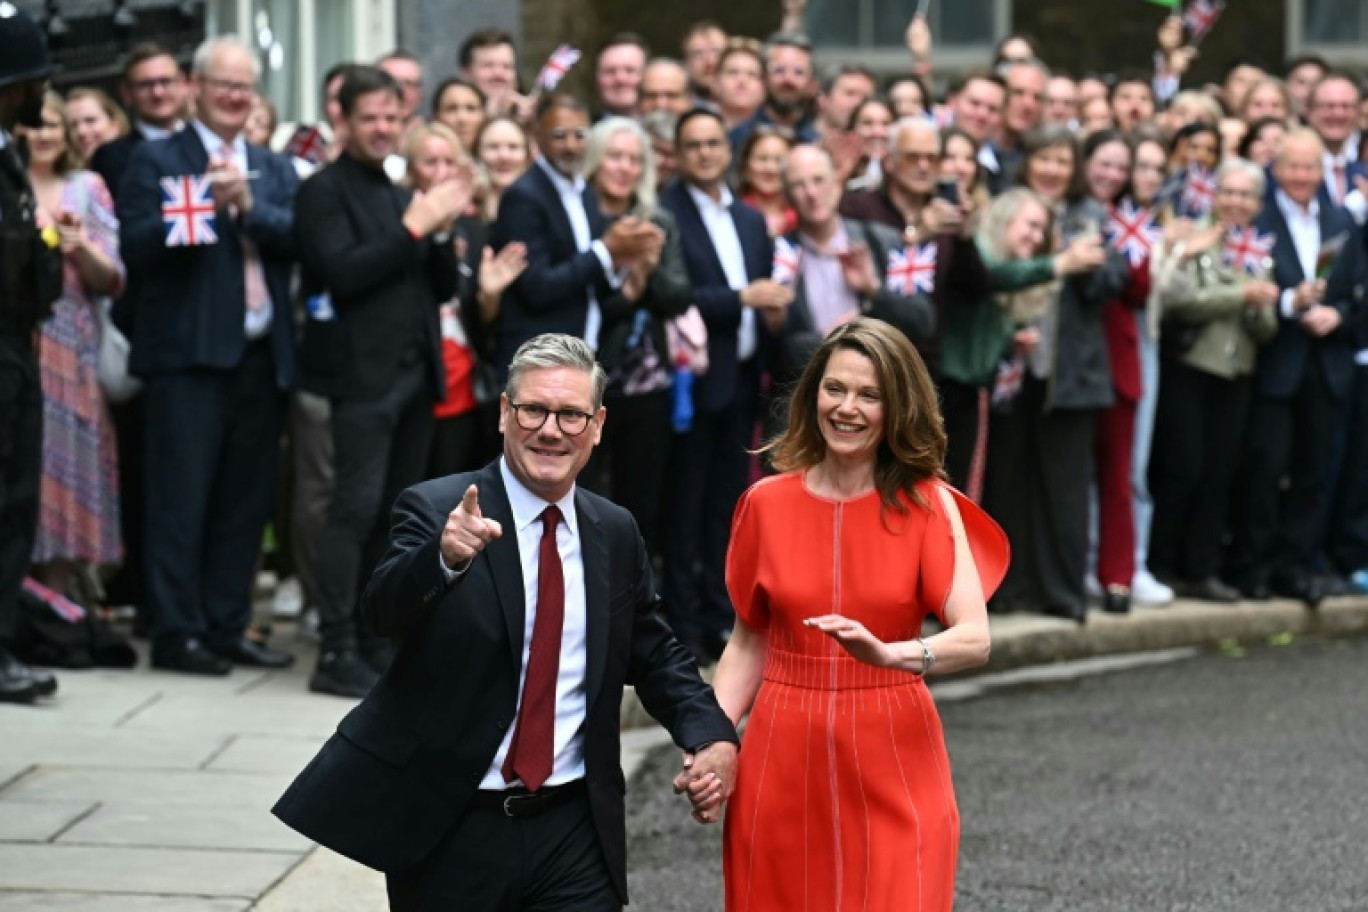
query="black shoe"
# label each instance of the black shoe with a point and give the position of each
(255, 655)
(191, 658)
(1303, 588)
(377, 655)
(1254, 590)
(1212, 589)
(1116, 600)
(343, 673)
(44, 681)
(1335, 585)
(1078, 615)
(16, 680)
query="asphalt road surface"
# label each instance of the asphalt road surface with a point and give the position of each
(1234, 781)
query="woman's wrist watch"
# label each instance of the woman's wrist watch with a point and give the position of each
(928, 657)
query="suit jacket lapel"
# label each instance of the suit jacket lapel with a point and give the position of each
(690, 213)
(1284, 251)
(502, 553)
(594, 548)
(560, 219)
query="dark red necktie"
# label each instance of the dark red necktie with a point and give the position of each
(531, 752)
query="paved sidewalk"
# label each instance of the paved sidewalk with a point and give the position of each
(148, 792)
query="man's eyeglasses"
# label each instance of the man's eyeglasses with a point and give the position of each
(561, 135)
(692, 147)
(531, 417)
(151, 85)
(225, 87)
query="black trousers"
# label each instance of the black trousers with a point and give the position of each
(1348, 540)
(125, 587)
(1280, 528)
(706, 478)
(960, 409)
(466, 442)
(21, 467)
(634, 457)
(493, 863)
(1198, 435)
(213, 459)
(380, 447)
(1039, 468)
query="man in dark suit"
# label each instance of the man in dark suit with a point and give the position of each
(1302, 381)
(375, 275)
(154, 93)
(483, 770)
(214, 340)
(729, 256)
(571, 262)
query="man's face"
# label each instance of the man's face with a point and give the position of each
(619, 75)
(1299, 169)
(1240, 81)
(665, 87)
(409, 75)
(978, 109)
(1333, 110)
(1300, 82)
(704, 153)
(373, 127)
(701, 54)
(155, 91)
(812, 188)
(788, 78)
(1061, 101)
(546, 459)
(561, 133)
(224, 92)
(740, 83)
(665, 160)
(1025, 99)
(845, 96)
(1132, 105)
(914, 163)
(494, 70)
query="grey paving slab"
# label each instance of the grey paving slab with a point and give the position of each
(297, 713)
(38, 821)
(266, 754)
(104, 747)
(190, 827)
(150, 787)
(165, 872)
(86, 902)
(326, 880)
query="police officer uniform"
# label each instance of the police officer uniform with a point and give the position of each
(30, 280)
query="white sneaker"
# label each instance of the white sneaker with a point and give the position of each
(289, 599)
(1146, 590)
(1093, 587)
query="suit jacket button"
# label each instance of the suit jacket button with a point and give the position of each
(502, 724)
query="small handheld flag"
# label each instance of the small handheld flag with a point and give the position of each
(307, 144)
(1132, 231)
(1199, 193)
(560, 62)
(788, 259)
(1247, 250)
(912, 270)
(1200, 17)
(188, 211)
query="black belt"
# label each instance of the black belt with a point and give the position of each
(519, 802)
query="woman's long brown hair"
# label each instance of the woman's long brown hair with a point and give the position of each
(913, 445)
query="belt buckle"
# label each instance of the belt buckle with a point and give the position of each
(510, 803)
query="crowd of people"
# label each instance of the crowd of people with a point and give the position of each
(1141, 305)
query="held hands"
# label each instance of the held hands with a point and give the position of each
(467, 532)
(708, 778)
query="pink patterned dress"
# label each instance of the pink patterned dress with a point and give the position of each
(79, 518)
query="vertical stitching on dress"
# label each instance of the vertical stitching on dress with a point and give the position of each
(755, 816)
(912, 805)
(864, 801)
(831, 712)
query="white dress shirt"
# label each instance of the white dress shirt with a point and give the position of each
(571, 699)
(150, 132)
(717, 219)
(1331, 162)
(1304, 225)
(572, 200)
(257, 323)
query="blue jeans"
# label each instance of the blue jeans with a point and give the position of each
(1144, 434)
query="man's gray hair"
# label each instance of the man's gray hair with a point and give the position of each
(552, 350)
(1235, 165)
(1035, 63)
(914, 124)
(211, 46)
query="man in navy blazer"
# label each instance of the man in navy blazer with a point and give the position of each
(573, 260)
(730, 257)
(212, 337)
(1302, 380)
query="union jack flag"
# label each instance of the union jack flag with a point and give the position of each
(1132, 231)
(788, 259)
(307, 144)
(188, 211)
(1200, 17)
(912, 270)
(1199, 193)
(562, 59)
(1247, 250)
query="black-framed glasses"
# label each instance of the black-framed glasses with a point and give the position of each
(531, 417)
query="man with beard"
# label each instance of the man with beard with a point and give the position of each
(30, 279)
(789, 87)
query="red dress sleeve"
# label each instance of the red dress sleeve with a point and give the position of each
(743, 565)
(987, 543)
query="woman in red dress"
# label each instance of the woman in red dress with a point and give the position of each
(843, 799)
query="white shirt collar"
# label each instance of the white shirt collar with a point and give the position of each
(562, 183)
(702, 199)
(527, 507)
(213, 143)
(150, 132)
(1291, 207)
